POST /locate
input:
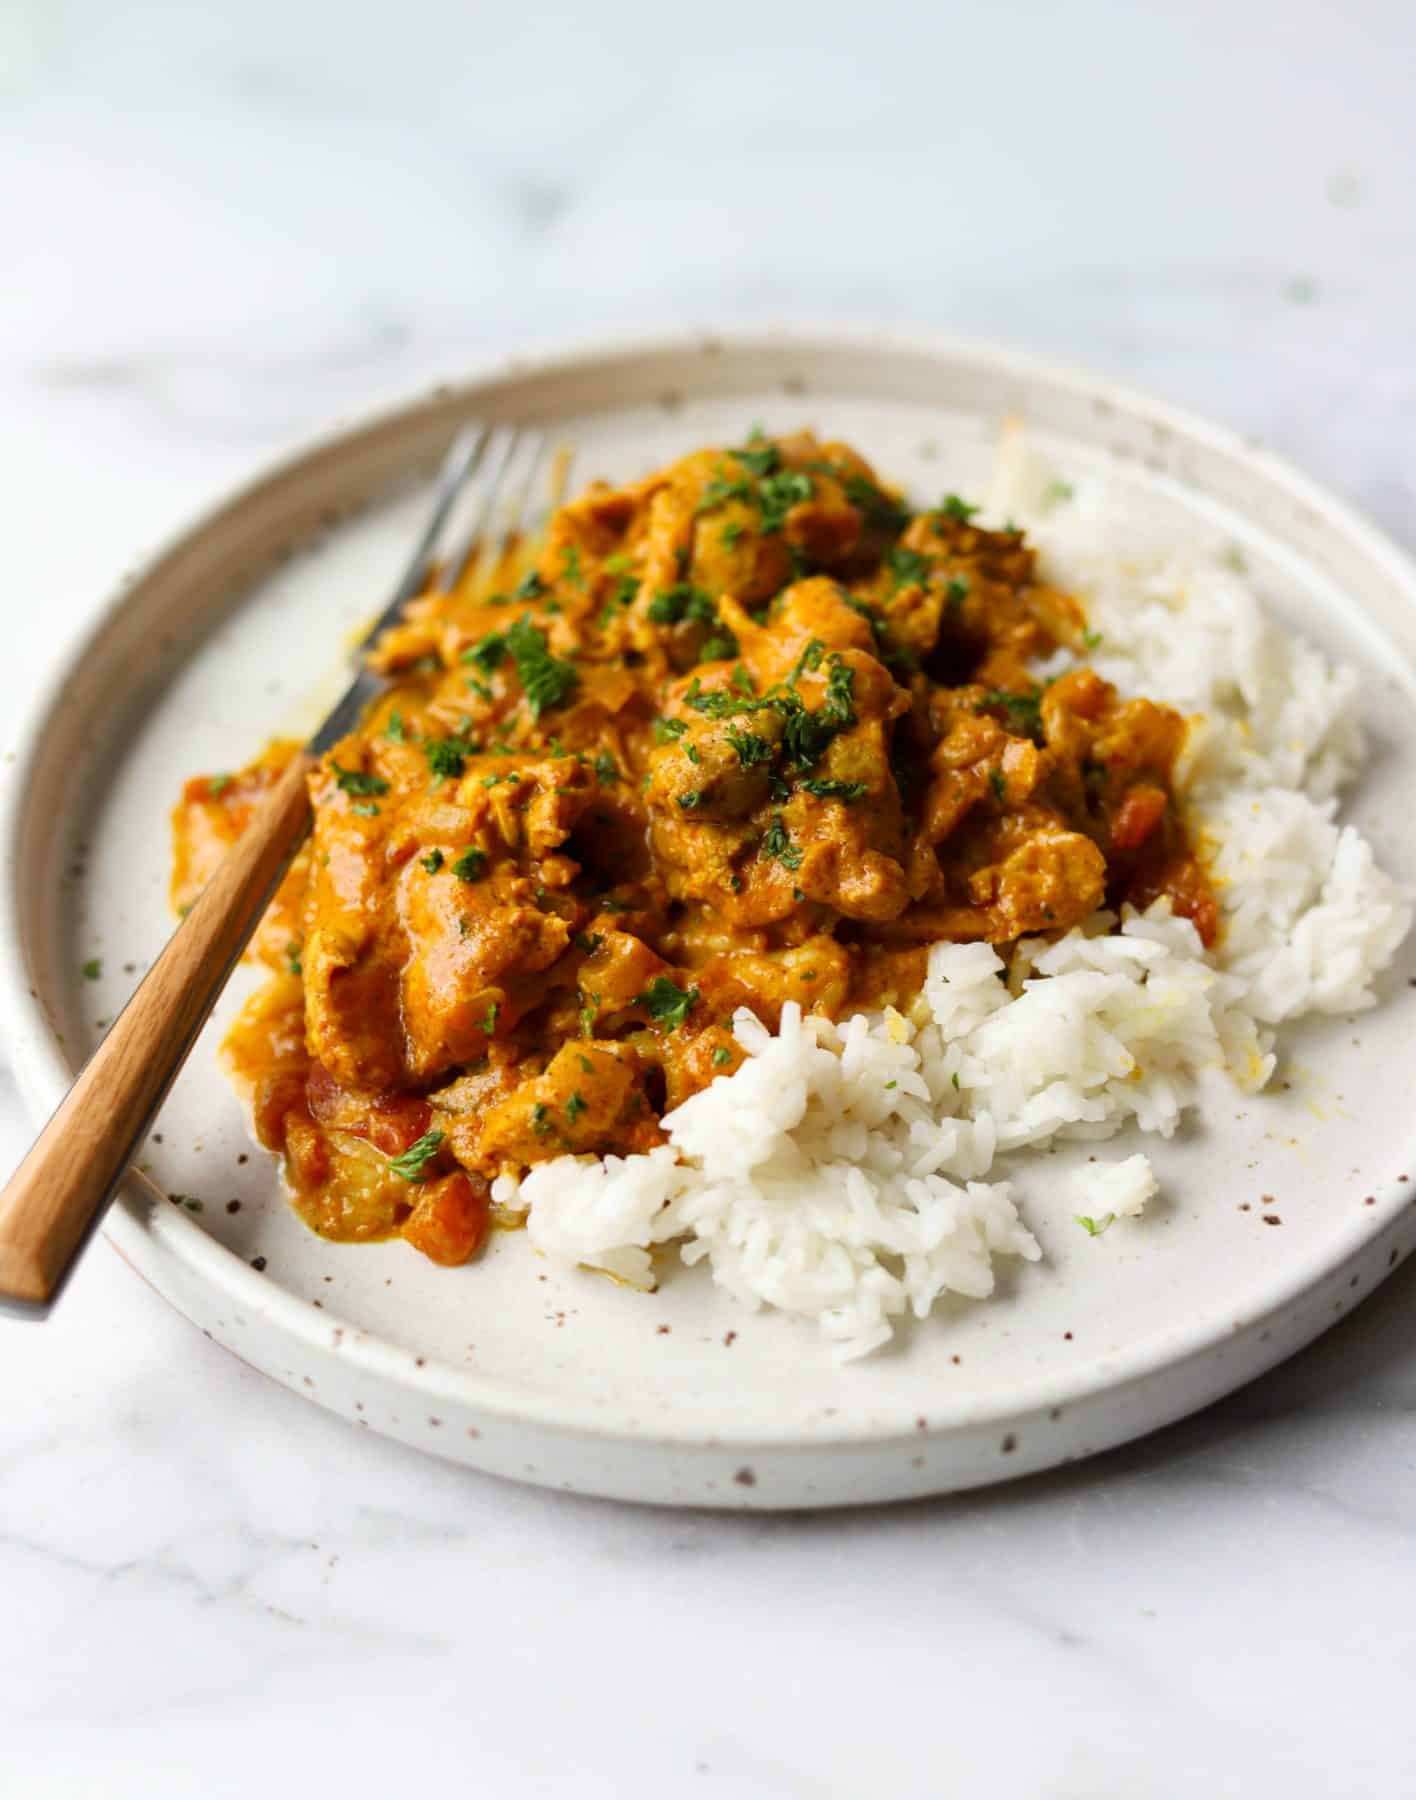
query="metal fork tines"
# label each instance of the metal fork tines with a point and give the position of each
(501, 511)
(487, 478)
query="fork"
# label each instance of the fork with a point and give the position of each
(54, 1200)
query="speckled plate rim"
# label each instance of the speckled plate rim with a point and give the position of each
(160, 1242)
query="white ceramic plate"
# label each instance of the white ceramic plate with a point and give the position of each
(234, 632)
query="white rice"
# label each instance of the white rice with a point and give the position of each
(839, 1172)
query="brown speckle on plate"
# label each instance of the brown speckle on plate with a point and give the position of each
(1009, 1444)
(745, 1477)
(258, 1263)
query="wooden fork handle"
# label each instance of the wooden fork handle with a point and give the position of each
(56, 1196)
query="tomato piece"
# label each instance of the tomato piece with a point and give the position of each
(394, 1124)
(1137, 817)
(449, 1219)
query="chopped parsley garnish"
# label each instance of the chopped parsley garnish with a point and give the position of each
(93, 968)
(570, 556)
(292, 958)
(574, 1107)
(471, 865)
(880, 510)
(956, 593)
(719, 491)
(541, 1119)
(488, 1021)
(778, 494)
(530, 587)
(1095, 1227)
(751, 749)
(998, 784)
(218, 784)
(682, 602)
(835, 790)
(355, 781)
(691, 801)
(809, 660)
(777, 845)
(909, 567)
(1023, 711)
(722, 1057)
(1056, 492)
(718, 648)
(606, 769)
(413, 1164)
(433, 861)
(447, 757)
(1091, 640)
(805, 735)
(731, 534)
(953, 507)
(546, 680)
(665, 729)
(759, 457)
(394, 728)
(667, 1002)
(365, 809)
(488, 652)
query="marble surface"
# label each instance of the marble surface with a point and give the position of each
(224, 226)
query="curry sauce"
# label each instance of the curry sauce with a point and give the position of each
(748, 731)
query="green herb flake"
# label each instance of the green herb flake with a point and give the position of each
(759, 457)
(488, 1022)
(412, 1165)
(1022, 711)
(665, 1001)
(1095, 1227)
(447, 757)
(910, 568)
(749, 747)
(778, 494)
(959, 510)
(1091, 640)
(355, 781)
(691, 801)
(488, 652)
(956, 592)
(546, 680)
(999, 785)
(719, 491)
(292, 959)
(683, 603)
(393, 730)
(575, 1106)
(365, 809)
(570, 558)
(93, 968)
(471, 865)
(834, 790)
(218, 784)
(1056, 492)
(606, 769)
(880, 510)
(955, 1079)
(433, 861)
(530, 587)
(732, 534)
(722, 1057)
(777, 845)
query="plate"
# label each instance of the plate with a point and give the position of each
(1281, 1211)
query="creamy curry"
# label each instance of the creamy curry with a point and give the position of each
(745, 732)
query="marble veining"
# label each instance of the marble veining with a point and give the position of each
(225, 227)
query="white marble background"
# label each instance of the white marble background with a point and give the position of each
(222, 224)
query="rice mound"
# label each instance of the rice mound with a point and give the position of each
(839, 1172)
